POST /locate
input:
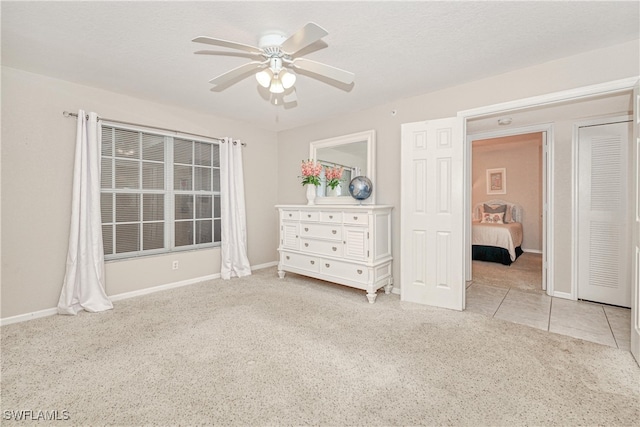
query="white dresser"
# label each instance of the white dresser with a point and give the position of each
(350, 245)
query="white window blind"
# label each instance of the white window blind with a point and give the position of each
(159, 193)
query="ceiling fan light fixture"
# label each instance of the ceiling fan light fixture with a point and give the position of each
(264, 78)
(287, 78)
(276, 86)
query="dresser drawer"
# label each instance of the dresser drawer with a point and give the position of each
(333, 217)
(321, 247)
(304, 262)
(288, 215)
(323, 231)
(356, 218)
(345, 270)
(309, 216)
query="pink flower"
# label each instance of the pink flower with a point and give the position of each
(310, 172)
(333, 176)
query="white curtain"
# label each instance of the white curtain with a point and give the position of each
(83, 287)
(234, 218)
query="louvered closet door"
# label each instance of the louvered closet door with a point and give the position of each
(603, 254)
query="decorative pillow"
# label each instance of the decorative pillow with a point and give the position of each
(508, 216)
(493, 218)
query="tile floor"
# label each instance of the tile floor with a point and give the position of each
(598, 323)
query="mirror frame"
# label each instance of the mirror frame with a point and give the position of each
(369, 137)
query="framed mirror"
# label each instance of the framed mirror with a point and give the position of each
(354, 155)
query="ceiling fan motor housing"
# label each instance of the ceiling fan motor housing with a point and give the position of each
(271, 40)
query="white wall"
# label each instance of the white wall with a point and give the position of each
(612, 63)
(37, 162)
(521, 156)
(37, 157)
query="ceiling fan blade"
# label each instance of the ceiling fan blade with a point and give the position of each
(290, 96)
(305, 36)
(230, 75)
(333, 73)
(225, 53)
(288, 99)
(226, 43)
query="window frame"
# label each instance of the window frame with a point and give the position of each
(169, 193)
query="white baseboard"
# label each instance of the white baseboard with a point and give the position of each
(28, 316)
(395, 290)
(265, 265)
(565, 295)
(532, 251)
(145, 291)
(52, 311)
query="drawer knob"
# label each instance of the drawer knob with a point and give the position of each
(290, 215)
(312, 262)
(306, 229)
(330, 216)
(334, 248)
(288, 257)
(334, 231)
(308, 215)
(306, 245)
(359, 271)
(327, 265)
(355, 218)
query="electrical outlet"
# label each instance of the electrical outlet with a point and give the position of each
(174, 266)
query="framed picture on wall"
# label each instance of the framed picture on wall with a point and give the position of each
(497, 181)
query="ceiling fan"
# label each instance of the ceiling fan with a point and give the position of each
(277, 60)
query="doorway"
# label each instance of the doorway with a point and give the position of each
(534, 205)
(518, 238)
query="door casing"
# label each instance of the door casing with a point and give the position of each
(547, 196)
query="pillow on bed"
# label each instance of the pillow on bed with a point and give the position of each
(508, 217)
(493, 218)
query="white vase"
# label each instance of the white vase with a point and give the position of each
(311, 194)
(334, 192)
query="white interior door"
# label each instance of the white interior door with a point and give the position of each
(432, 229)
(635, 239)
(603, 219)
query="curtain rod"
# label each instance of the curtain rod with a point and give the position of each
(68, 114)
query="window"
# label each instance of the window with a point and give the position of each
(159, 193)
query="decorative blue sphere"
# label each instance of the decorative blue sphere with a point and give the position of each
(360, 187)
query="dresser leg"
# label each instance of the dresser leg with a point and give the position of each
(388, 287)
(281, 274)
(371, 297)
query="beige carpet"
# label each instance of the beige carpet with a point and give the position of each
(263, 351)
(524, 274)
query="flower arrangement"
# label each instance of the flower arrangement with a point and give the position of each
(333, 175)
(311, 172)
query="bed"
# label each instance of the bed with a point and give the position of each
(496, 232)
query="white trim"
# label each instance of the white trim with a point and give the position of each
(396, 290)
(53, 311)
(28, 316)
(575, 179)
(563, 295)
(532, 251)
(265, 265)
(607, 88)
(164, 287)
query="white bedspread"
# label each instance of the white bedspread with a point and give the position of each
(508, 236)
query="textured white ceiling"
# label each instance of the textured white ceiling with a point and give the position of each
(396, 49)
